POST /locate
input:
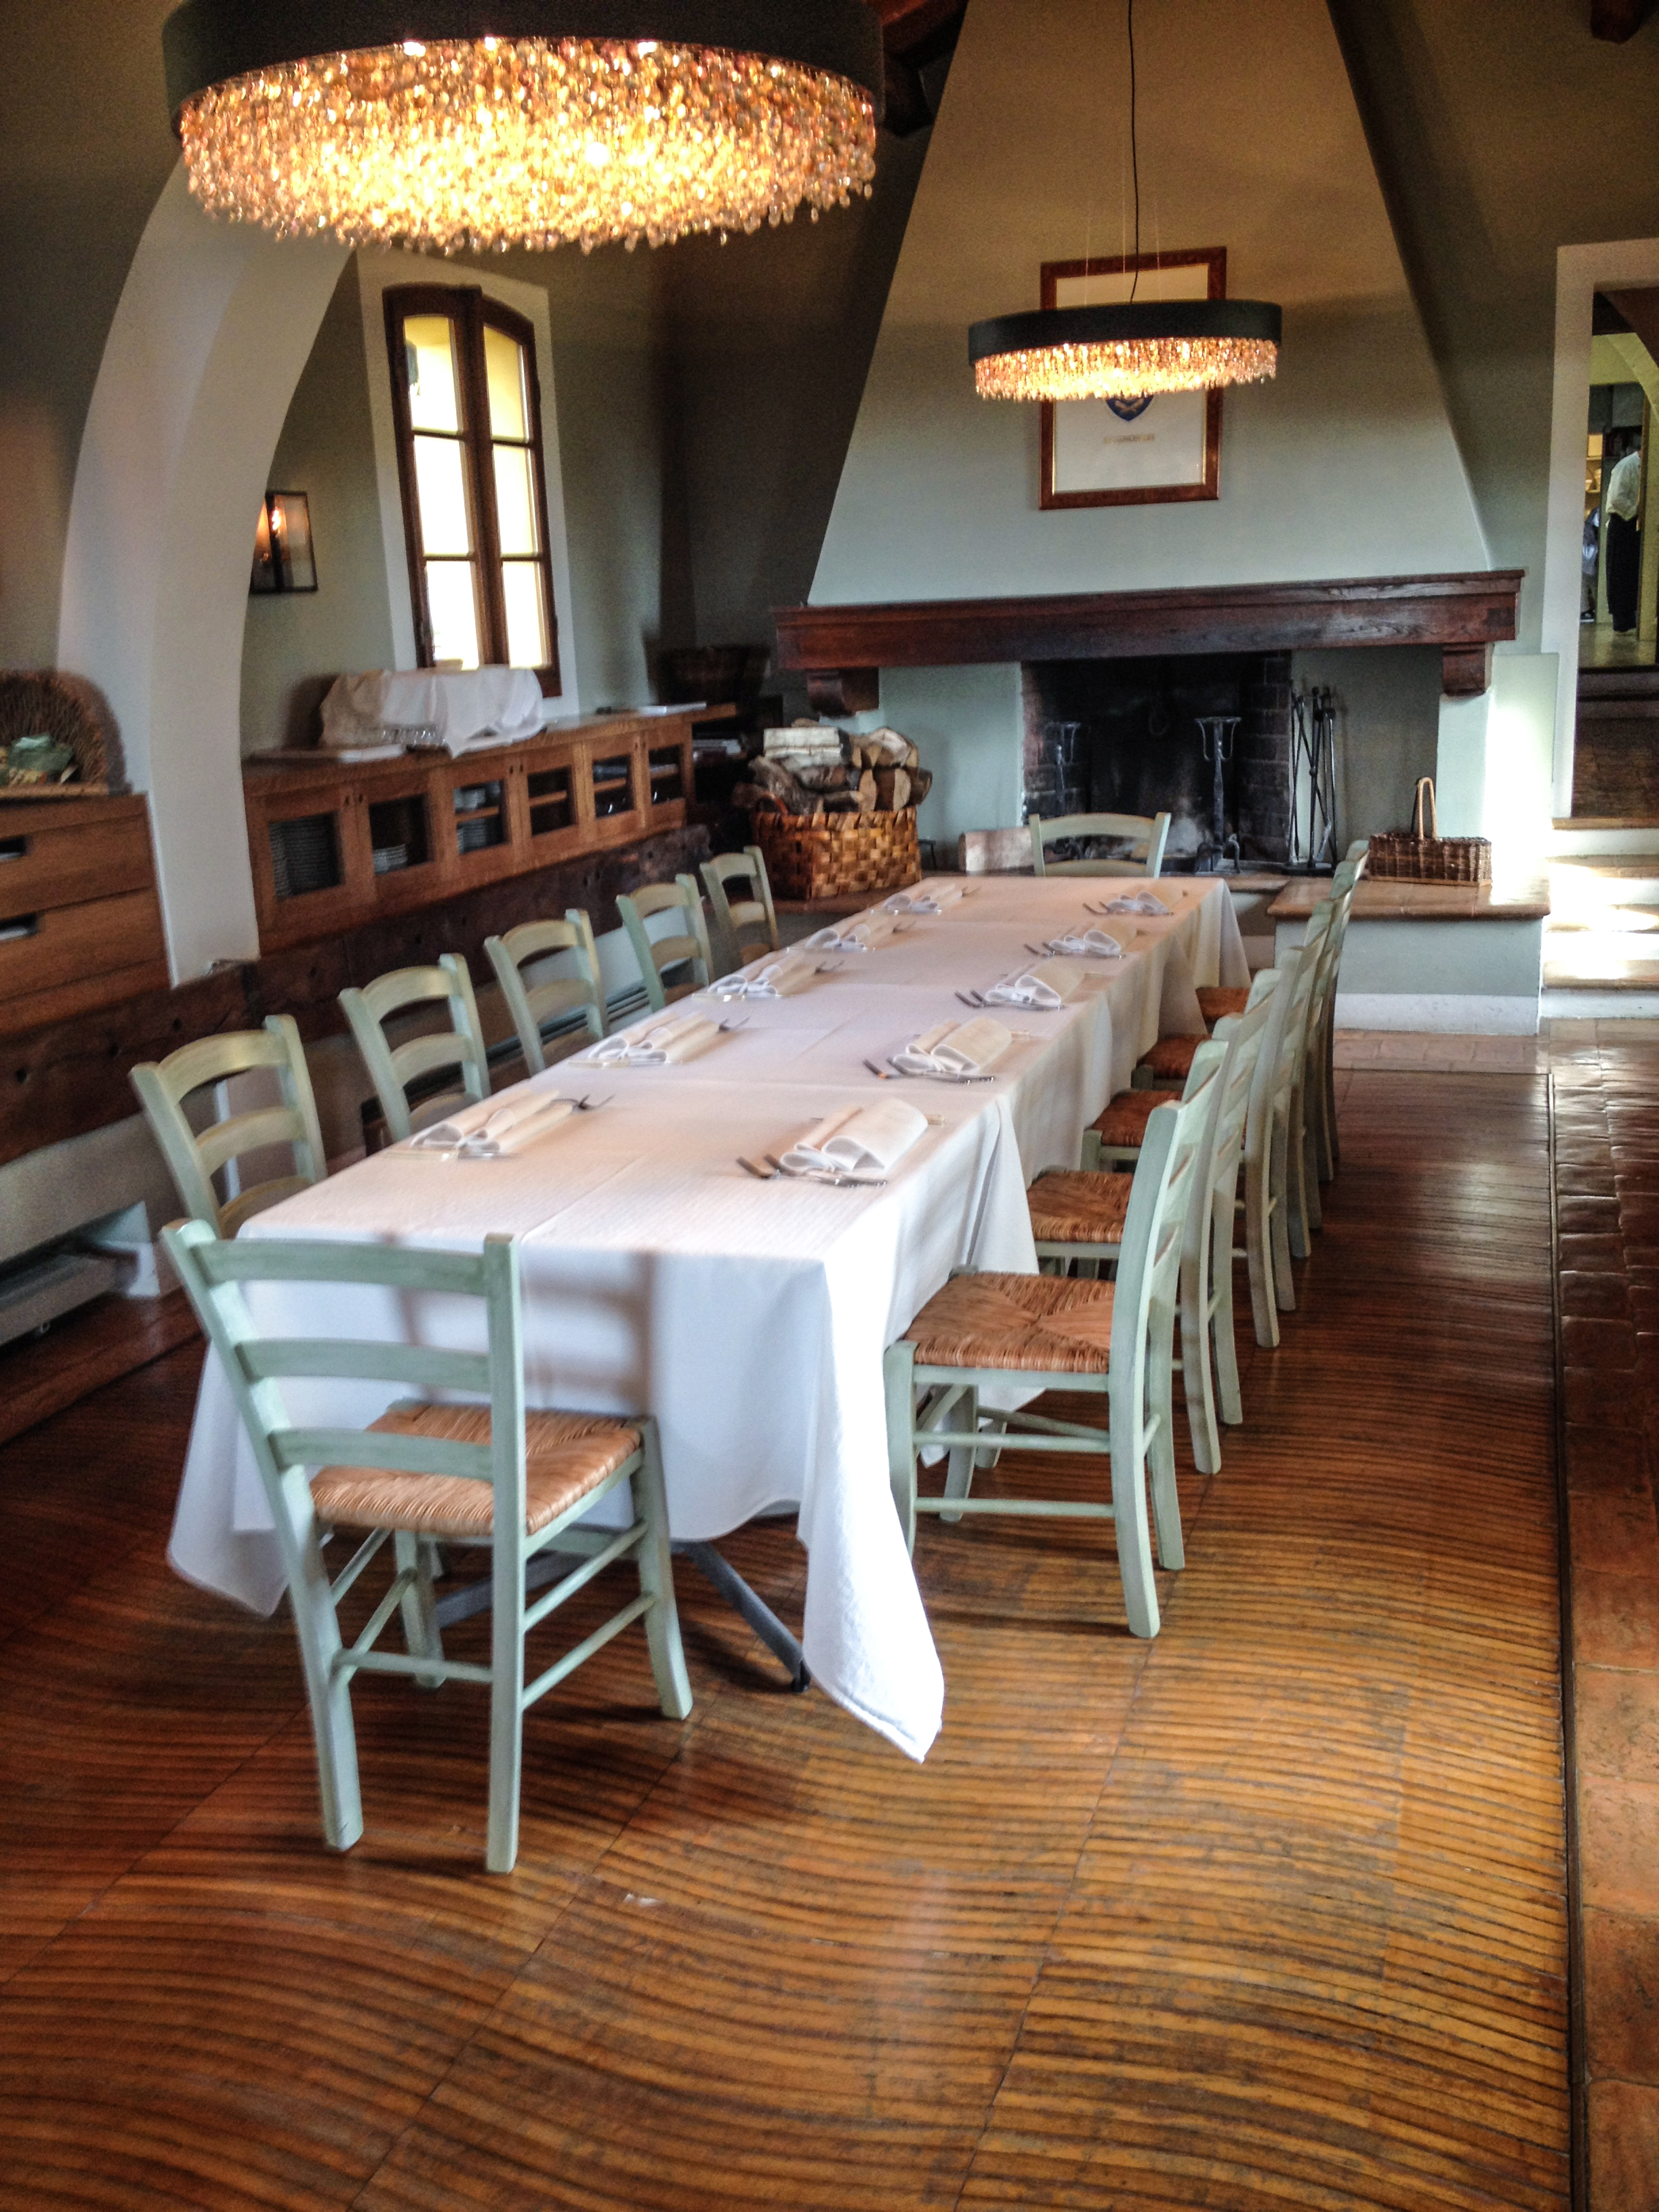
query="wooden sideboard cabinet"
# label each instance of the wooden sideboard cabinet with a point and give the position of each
(335, 843)
(80, 919)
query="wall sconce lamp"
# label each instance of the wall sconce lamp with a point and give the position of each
(283, 557)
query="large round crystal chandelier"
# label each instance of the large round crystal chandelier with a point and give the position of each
(1127, 351)
(457, 127)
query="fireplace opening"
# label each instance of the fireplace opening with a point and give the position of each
(1138, 737)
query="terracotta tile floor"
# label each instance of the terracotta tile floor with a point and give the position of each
(1605, 1080)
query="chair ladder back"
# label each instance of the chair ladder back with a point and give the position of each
(735, 920)
(391, 1067)
(194, 1157)
(655, 955)
(1150, 834)
(532, 1005)
(1165, 1179)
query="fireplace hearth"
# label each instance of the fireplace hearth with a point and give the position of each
(1124, 737)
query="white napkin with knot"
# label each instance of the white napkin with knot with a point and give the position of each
(955, 1049)
(1137, 903)
(666, 1041)
(1092, 944)
(930, 897)
(858, 1139)
(1046, 986)
(775, 977)
(863, 933)
(491, 1132)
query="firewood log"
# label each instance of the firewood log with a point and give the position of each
(922, 782)
(754, 800)
(869, 792)
(893, 789)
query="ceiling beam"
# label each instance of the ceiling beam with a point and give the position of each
(1617, 20)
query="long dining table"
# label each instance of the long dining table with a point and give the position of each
(749, 1317)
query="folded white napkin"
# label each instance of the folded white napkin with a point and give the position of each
(775, 977)
(491, 1132)
(863, 933)
(1137, 903)
(669, 1039)
(858, 1141)
(930, 897)
(1047, 986)
(955, 1049)
(1091, 944)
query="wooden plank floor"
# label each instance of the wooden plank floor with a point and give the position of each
(1267, 1914)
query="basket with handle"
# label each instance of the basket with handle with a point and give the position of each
(1421, 855)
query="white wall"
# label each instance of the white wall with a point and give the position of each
(1249, 138)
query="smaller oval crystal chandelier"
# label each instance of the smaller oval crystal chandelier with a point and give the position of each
(460, 126)
(1131, 349)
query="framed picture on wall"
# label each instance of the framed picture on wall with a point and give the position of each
(1133, 452)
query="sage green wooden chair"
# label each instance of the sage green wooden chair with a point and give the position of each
(195, 1158)
(392, 1068)
(534, 1006)
(1113, 1340)
(483, 1471)
(744, 928)
(1321, 1071)
(685, 947)
(1150, 833)
(1275, 1151)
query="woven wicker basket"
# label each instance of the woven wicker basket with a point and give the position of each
(811, 856)
(1409, 856)
(49, 702)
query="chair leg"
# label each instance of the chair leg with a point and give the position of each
(1258, 1247)
(1229, 1399)
(1284, 1280)
(1310, 1102)
(962, 1459)
(898, 1378)
(1334, 1133)
(506, 1701)
(1135, 1550)
(1197, 1379)
(1320, 1083)
(656, 1567)
(328, 1688)
(1295, 1179)
(1160, 1456)
(422, 1637)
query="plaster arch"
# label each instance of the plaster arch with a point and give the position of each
(215, 325)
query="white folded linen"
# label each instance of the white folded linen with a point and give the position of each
(492, 1132)
(668, 1040)
(454, 709)
(955, 1049)
(1137, 903)
(863, 933)
(930, 897)
(777, 976)
(1092, 944)
(858, 1139)
(1046, 986)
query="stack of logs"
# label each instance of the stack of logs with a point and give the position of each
(815, 768)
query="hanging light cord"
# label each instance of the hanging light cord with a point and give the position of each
(1134, 150)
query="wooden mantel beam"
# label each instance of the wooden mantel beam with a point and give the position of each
(841, 649)
(1617, 20)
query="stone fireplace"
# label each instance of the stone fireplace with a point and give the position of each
(1124, 737)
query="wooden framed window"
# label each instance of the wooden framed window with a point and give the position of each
(467, 405)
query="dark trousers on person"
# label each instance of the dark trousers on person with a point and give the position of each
(1624, 571)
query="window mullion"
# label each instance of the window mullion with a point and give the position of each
(484, 482)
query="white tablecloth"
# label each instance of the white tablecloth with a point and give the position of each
(749, 1317)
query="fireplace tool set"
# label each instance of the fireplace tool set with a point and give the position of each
(1219, 734)
(1313, 779)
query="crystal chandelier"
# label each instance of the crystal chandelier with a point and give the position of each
(1125, 352)
(1129, 350)
(441, 124)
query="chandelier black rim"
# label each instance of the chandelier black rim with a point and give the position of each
(1124, 323)
(210, 42)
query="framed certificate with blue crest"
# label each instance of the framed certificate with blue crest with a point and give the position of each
(1133, 452)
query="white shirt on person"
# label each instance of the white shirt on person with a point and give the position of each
(1624, 487)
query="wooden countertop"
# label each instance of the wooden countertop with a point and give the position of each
(297, 763)
(1381, 900)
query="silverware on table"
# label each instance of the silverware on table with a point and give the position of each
(833, 1179)
(761, 1174)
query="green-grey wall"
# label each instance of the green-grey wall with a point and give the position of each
(1501, 131)
(295, 644)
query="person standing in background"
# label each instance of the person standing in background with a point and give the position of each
(1624, 499)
